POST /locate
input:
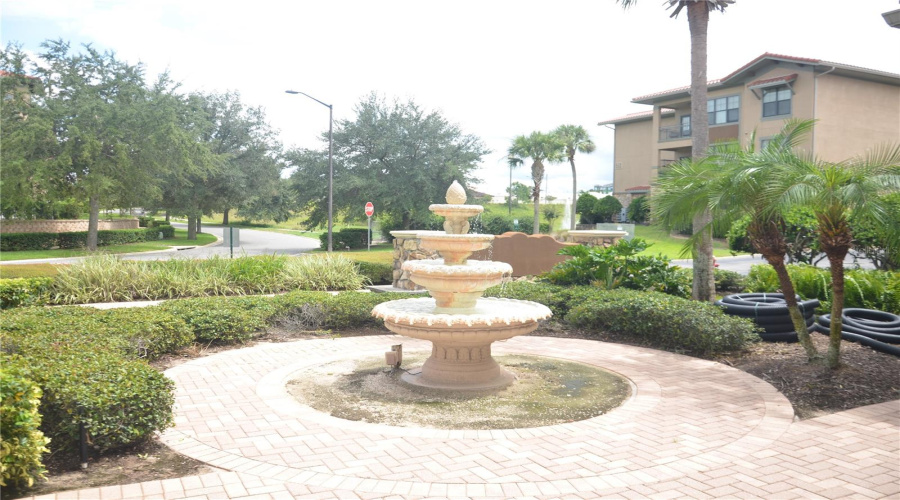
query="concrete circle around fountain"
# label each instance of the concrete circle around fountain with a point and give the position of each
(685, 415)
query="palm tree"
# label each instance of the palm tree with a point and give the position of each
(575, 138)
(698, 23)
(833, 191)
(539, 147)
(741, 189)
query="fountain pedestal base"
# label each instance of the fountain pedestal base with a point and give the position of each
(460, 367)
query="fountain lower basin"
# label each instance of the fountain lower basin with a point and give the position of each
(461, 342)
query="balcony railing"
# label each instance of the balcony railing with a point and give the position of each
(673, 133)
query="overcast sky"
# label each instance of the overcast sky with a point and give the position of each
(496, 68)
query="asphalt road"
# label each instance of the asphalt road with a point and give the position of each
(742, 263)
(252, 242)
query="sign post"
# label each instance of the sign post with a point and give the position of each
(370, 210)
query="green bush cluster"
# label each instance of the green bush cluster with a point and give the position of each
(729, 281)
(346, 238)
(18, 292)
(498, 223)
(656, 319)
(620, 266)
(78, 239)
(222, 320)
(867, 289)
(21, 443)
(378, 273)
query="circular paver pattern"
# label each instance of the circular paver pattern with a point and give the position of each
(686, 415)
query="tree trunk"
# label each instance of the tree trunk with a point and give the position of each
(537, 174)
(768, 239)
(704, 287)
(574, 194)
(833, 359)
(93, 223)
(199, 219)
(225, 217)
(167, 216)
(192, 228)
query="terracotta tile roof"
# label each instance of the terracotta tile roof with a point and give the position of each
(777, 79)
(637, 188)
(768, 56)
(7, 73)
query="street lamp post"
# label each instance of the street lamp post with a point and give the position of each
(330, 167)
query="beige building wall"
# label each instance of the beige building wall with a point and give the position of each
(634, 154)
(853, 116)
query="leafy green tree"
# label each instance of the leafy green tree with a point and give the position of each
(520, 192)
(102, 118)
(879, 243)
(575, 138)
(394, 154)
(28, 145)
(607, 208)
(585, 207)
(698, 24)
(834, 191)
(540, 147)
(247, 151)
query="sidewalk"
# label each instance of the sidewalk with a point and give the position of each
(693, 429)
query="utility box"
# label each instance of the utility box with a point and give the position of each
(232, 237)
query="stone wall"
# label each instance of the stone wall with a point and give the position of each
(595, 238)
(63, 225)
(406, 247)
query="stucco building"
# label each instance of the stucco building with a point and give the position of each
(854, 108)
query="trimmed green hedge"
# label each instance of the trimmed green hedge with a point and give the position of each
(656, 319)
(21, 443)
(347, 238)
(44, 241)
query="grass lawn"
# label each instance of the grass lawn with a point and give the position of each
(382, 253)
(179, 240)
(670, 246)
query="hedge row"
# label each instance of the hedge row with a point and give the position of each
(348, 238)
(22, 443)
(653, 318)
(18, 292)
(11, 242)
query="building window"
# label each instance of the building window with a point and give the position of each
(764, 143)
(686, 126)
(724, 110)
(776, 101)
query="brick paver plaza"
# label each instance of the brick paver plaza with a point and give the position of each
(693, 429)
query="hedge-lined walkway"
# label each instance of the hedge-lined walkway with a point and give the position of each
(693, 429)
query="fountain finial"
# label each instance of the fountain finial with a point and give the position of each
(456, 195)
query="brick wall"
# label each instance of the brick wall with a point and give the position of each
(62, 226)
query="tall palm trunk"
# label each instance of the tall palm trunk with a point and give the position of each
(704, 287)
(574, 191)
(537, 173)
(835, 240)
(93, 223)
(768, 240)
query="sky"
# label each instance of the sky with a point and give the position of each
(496, 68)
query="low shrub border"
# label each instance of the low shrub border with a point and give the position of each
(78, 239)
(91, 364)
(22, 443)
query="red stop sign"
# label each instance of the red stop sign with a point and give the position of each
(370, 209)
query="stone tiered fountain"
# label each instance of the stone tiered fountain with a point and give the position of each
(458, 321)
